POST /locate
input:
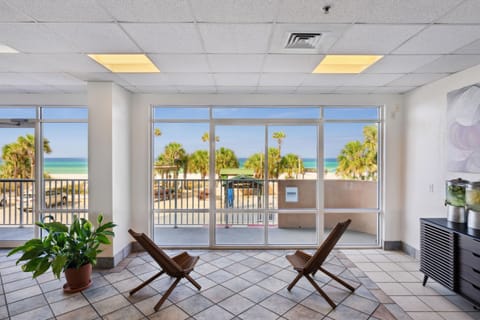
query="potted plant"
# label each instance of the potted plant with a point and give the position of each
(72, 249)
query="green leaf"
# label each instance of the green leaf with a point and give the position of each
(56, 227)
(41, 268)
(100, 219)
(103, 239)
(58, 265)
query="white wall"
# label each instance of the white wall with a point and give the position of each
(425, 155)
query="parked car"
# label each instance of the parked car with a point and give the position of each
(162, 193)
(3, 201)
(53, 198)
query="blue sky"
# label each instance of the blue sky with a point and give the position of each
(246, 140)
(70, 139)
(67, 140)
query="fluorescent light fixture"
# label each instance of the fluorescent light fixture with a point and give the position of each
(6, 49)
(125, 63)
(345, 63)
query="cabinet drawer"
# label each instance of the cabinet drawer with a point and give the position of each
(469, 243)
(470, 290)
(470, 273)
(469, 258)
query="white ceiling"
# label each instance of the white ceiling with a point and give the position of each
(235, 46)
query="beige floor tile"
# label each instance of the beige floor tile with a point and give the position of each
(424, 316)
(379, 276)
(170, 313)
(394, 288)
(410, 303)
(111, 304)
(439, 303)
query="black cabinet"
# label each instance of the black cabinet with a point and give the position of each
(450, 254)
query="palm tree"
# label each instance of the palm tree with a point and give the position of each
(19, 157)
(256, 162)
(173, 155)
(292, 163)
(206, 137)
(199, 162)
(279, 135)
(225, 158)
(351, 161)
(370, 145)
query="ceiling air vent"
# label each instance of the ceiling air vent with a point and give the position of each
(303, 40)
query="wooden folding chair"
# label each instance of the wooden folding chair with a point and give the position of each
(177, 267)
(307, 265)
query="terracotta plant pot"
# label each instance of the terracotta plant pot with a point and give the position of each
(78, 279)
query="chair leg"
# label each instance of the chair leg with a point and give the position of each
(322, 293)
(195, 283)
(146, 282)
(334, 277)
(294, 282)
(166, 294)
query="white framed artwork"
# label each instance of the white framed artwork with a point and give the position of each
(463, 129)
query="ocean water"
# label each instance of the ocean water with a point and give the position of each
(80, 165)
(330, 164)
(66, 165)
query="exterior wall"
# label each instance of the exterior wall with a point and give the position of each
(425, 156)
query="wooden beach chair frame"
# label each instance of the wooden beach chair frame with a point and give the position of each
(177, 267)
(307, 265)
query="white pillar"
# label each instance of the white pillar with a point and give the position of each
(109, 147)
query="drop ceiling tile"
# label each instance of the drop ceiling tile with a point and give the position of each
(10, 14)
(17, 79)
(55, 79)
(23, 63)
(191, 79)
(467, 12)
(234, 11)
(373, 39)
(149, 10)
(39, 88)
(146, 79)
(64, 11)
(180, 62)
(405, 11)
(156, 89)
(281, 79)
(440, 39)
(471, 48)
(291, 62)
(315, 89)
(95, 37)
(33, 38)
(396, 89)
(235, 89)
(197, 89)
(330, 34)
(72, 62)
(400, 63)
(71, 88)
(450, 64)
(235, 38)
(418, 79)
(236, 79)
(165, 37)
(10, 89)
(100, 77)
(310, 11)
(355, 89)
(236, 62)
(325, 80)
(364, 79)
(276, 89)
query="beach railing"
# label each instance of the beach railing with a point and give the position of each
(187, 201)
(62, 199)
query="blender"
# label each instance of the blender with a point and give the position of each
(455, 200)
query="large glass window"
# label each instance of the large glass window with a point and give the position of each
(260, 175)
(43, 168)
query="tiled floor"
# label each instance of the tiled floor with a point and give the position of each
(241, 284)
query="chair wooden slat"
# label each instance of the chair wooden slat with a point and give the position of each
(307, 265)
(178, 266)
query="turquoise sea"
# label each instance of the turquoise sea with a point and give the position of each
(80, 165)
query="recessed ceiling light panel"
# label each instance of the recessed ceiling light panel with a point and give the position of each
(125, 63)
(346, 63)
